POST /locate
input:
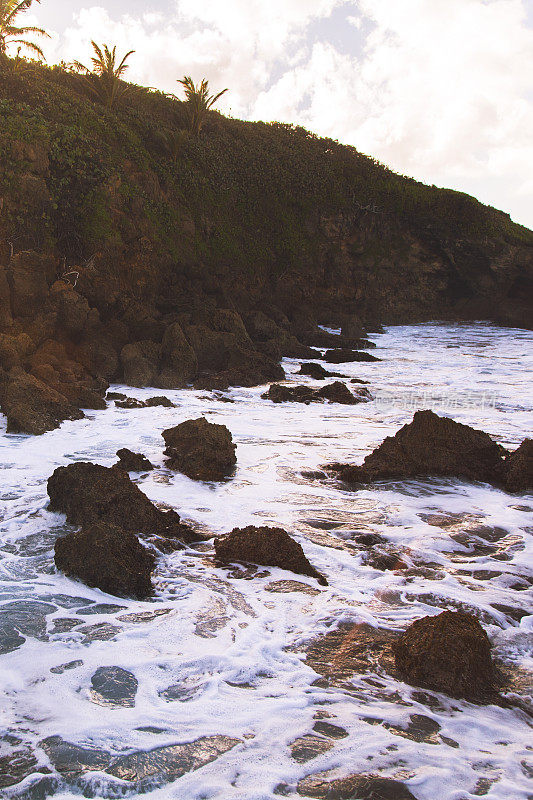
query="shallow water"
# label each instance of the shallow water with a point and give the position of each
(200, 692)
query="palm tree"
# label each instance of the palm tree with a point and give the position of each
(104, 80)
(11, 34)
(199, 102)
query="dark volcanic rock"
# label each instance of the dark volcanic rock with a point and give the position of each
(200, 449)
(159, 401)
(269, 547)
(339, 393)
(89, 493)
(107, 557)
(347, 356)
(336, 392)
(449, 653)
(362, 787)
(519, 468)
(317, 371)
(33, 407)
(114, 686)
(280, 393)
(431, 445)
(132, 462)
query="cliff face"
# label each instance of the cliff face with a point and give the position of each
(131, 251)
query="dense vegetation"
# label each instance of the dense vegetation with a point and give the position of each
(250, 189)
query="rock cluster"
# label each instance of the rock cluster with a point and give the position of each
(269, 547)
(111, 511)
(336, 392)
(201, 450)
(438, 446)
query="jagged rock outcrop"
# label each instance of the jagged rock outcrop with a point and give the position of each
(449, 653)
(107, 557)
(269, 547)
(201, 450)
(31, 406)
(89, 493)
(519, 468)
(431, 445)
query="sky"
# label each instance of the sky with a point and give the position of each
(441, 90)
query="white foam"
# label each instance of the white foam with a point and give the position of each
(255, 631)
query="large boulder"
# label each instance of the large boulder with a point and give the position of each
(89, 493)
(449, 653)
(200, 449)
(107, 557)
(179, 364)
(33, 407)
(431, 445)
(269, 547)
(519, 468)
(140, 363)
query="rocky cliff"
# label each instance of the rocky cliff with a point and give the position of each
(131, 251)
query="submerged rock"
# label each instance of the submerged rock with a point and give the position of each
(132, 462)
(336, 392)
(89, 493)
(268, 547)
(362, 787)
(519, 468)
(114, 686)
(449, 653)
(341, 356)
(200, 449)
(130, 402)
(33, 407)
(431, 445)
(107, 557)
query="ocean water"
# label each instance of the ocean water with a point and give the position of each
(202, 691)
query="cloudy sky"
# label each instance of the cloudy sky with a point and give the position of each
(438, 89)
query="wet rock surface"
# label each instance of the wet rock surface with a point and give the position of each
(89, 493)
(132, 462)
(269, 547)
(336, 392)
(107, 557)
(449, 653)
(431, 445)
(200, 449)
(362, 787)
(114, 686)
